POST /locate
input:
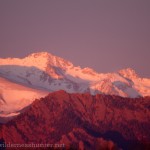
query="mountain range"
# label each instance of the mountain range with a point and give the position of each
(82, 122)
(22, 80)
(45, 99)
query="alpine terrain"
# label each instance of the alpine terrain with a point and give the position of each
(23, 80)
(82, 121)
(45, 99)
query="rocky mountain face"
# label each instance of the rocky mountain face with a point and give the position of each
(83, 121)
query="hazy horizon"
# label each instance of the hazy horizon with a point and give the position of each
(104, 35)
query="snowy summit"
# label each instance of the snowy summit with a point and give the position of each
(40, 73)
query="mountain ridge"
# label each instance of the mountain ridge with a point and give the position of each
(61, 69)
(50, 66)
(48, 73)
(71, 119)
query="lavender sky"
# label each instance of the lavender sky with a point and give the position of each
(106, 35)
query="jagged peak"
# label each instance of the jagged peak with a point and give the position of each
(88, 70)
(41, 54)
(128, 72)
(50, 59)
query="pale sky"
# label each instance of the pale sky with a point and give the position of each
(106, 35)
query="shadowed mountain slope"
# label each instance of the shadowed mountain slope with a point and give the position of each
(83, 121)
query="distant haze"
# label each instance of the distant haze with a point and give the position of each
(106, 35)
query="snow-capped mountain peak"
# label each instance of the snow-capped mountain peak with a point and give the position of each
(46, 71)
(128, 73)
(49, 60)
(40, 54)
